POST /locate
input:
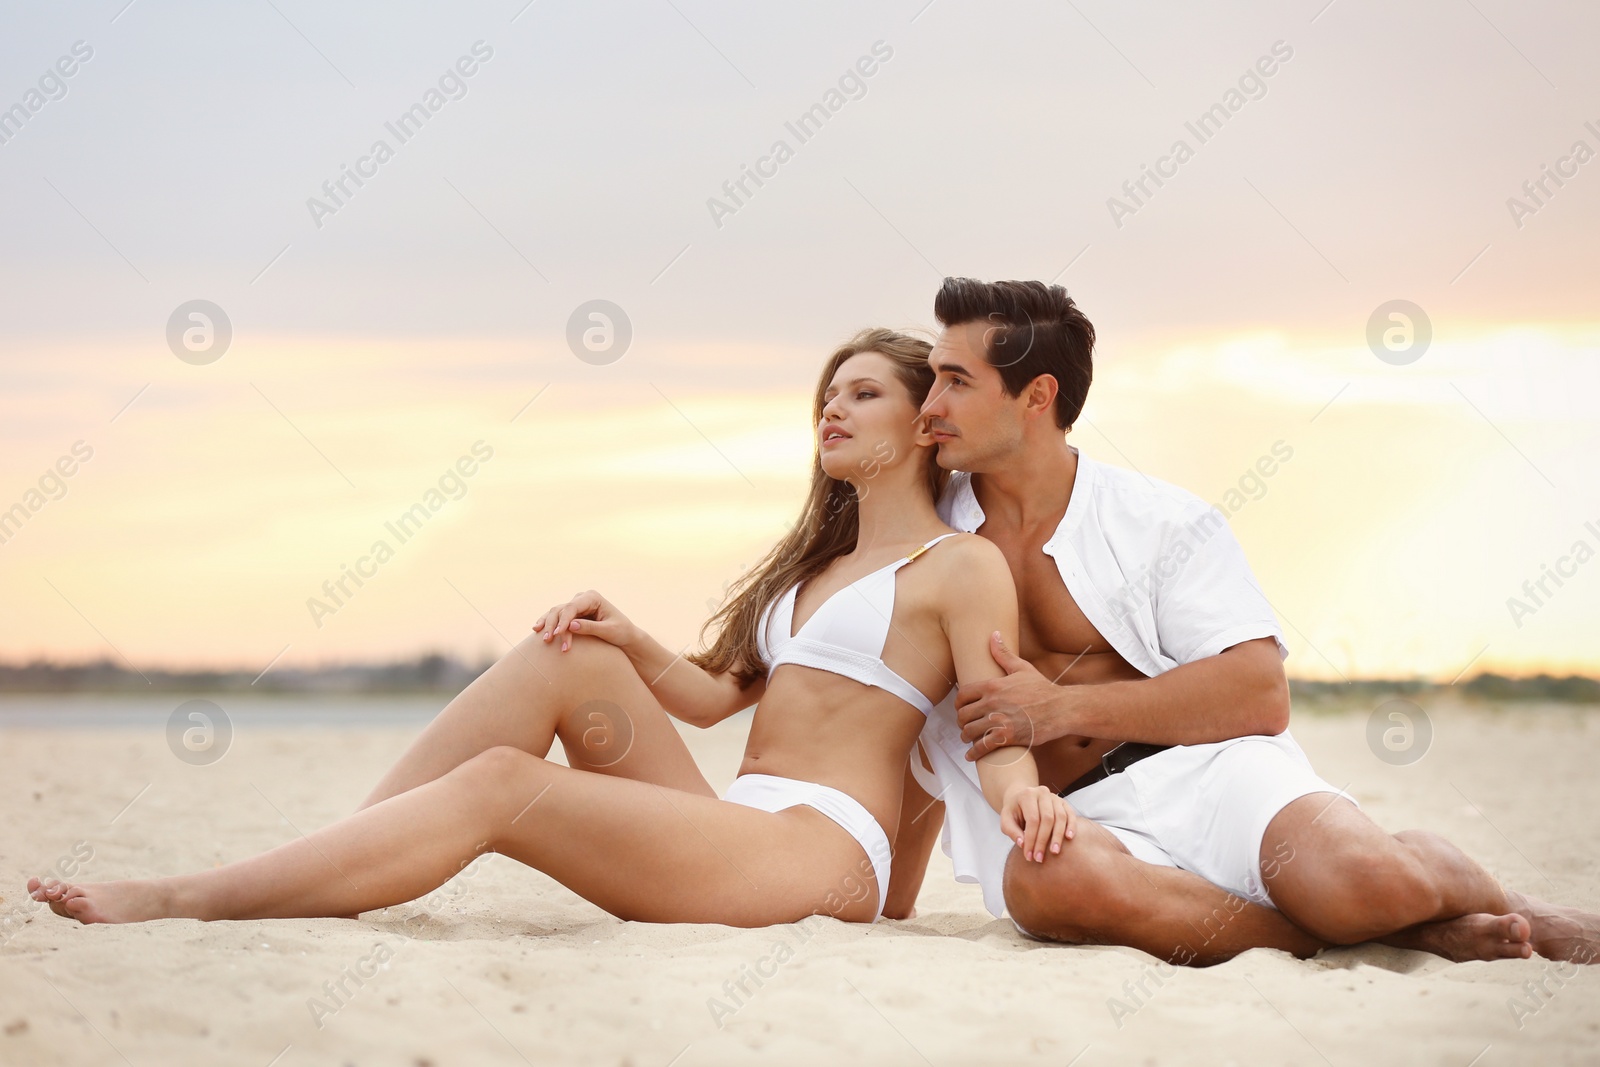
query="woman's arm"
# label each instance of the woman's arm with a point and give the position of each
(921, 818)
(978, 608)
(687, 692)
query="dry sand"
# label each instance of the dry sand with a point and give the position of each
(508, 967)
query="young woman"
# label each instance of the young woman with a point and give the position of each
(844, 637)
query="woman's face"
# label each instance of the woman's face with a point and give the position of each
(869, 421)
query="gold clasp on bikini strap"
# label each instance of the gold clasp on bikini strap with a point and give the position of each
(917, 553)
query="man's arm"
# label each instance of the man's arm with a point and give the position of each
(1237, 692)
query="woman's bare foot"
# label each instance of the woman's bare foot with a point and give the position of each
(102, 902)
(1470, 937)
(1559, 933)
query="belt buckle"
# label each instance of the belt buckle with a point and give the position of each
(1110, 766)
(1127, 754)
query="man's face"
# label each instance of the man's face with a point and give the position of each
(977, 425)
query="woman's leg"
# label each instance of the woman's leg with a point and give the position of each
(638, 850)
(589, 696)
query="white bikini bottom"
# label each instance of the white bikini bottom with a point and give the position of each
(771, 793)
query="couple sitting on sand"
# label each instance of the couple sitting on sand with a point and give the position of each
(1130, 779)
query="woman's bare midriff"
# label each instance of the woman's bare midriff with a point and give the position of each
(800, 721)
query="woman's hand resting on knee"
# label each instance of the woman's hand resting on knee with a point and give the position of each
(685, 690)
(1034, 817)
(587, 613)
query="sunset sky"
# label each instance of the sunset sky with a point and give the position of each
(585, 158)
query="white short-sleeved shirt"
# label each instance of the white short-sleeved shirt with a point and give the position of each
(1158, 573)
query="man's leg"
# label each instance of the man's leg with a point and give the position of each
(1338, 875)
(1096, 892)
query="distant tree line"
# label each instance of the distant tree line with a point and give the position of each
(433, 673)
(436, 673)
(1540, 688)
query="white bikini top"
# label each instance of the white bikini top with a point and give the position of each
(846, 635)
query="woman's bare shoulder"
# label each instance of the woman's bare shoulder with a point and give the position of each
(970, 579)
(963, 561)
(968, 550)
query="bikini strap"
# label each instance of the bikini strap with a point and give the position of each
(917, 552)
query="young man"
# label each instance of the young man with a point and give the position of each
(1150, 684)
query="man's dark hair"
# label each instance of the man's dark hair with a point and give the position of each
(1033, 329)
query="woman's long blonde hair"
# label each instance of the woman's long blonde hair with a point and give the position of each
(828, 523)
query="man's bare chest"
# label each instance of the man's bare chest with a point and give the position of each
(1056, 636)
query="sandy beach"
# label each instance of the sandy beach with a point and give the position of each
(505, 966)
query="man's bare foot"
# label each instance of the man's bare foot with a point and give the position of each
(1559, 933)
(101, 902)
(1470, 937)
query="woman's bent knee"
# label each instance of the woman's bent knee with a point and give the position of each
(588, 658)
(497, 772)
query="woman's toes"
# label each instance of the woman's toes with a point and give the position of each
(66, 899)
(76, 905)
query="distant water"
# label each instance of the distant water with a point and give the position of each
(101, 712)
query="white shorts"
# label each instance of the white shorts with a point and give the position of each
(1205, 808)
(768, 792)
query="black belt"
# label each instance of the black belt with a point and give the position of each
(1116, 761)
